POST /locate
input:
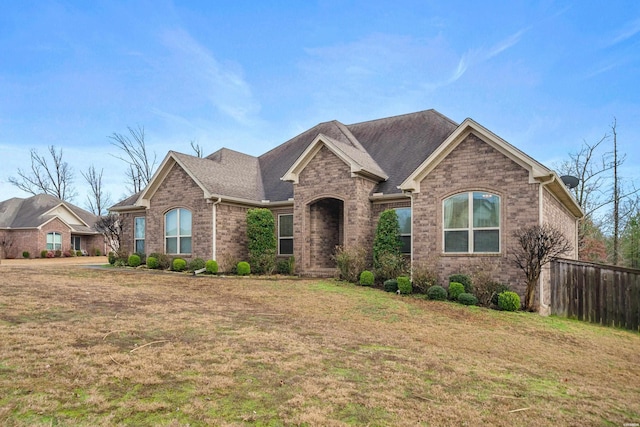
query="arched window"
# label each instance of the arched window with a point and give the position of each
(472, 223)
(54, 241)
(177, 231)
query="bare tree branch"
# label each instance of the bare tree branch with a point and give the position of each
(197, 148)
(54, 178)
(141, 164)
(97, 200)
(110, 226)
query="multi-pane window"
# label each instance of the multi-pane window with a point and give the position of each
(404, 220)
(177, 226)
(472, 223)
(285, 234)
(138, 234)
(54, 241)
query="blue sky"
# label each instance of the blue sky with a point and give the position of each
(248, 75)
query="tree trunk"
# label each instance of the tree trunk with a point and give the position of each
(530, 296)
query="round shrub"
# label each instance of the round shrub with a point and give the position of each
(211, 266)
(78, 253)
(244, 268)
(97, 252)
(179, 264)
(366, 278)
(152, 262)
(134, 260)
(112, 258)
(437, 293)
(26, 254)
(196, 264)
(509, 301)
(164, 262)
(43, 253)
(391, 285)
(467, 299)
(404, 285)
(497, 289)
(455, 289)
(464, 279)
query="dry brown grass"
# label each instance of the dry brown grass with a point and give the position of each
(81, 346)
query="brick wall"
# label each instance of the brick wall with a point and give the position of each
(231, 235)
(474, 166)
(328, 177)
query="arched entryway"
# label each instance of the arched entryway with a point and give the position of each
(326, 231)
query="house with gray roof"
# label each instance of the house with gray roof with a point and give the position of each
(44, 222)
(459, 190)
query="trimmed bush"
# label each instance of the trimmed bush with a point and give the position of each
(196, 264)
(211, 266)
(404, 285)
(498, 288)
(467, 299)
(134, 260)
(387, 259)
(164, 262)
(366, 278)
(43, 253)
(390, 265)
(179, 264)
(244, 269)
(26, 254)
(437, 293)
(261, 240)
(78, 253)
(50, 254)
(152, 262)
(509, 301)
(464, 279)
(112, 258)
(391, 285)
(455, 289)
(350, 262)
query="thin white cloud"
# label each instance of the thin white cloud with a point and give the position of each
(630, 30)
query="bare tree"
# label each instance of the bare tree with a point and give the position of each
(141, 163)
(110, 226)
(197, 148)
(6, 243)
(97, 200)
(54, 176)
(536, 246)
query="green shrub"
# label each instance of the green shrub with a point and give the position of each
(390, 265)
(112, 258)
(464, 279)
(152, 262)
(211, 266)
(243, 268)
(179, 264)
(350, 262)
(404, 285)
(164, 262)
(58, 253)
(498, 288)
(26, 254)
(134, 260)
(261, 240)
(43, 253)
(366, 278)
(196, 264)
(386, 241)
(509, 301)
(437, 293)
(282, 266)
(78, 253)
(119, 263)
(467, 299)
(391, 285)
(455, 289)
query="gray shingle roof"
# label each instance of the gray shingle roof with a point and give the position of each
(393, 147)
(32, 212)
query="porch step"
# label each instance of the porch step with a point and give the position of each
(319, 272)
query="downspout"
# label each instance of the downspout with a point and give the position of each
(544, 308)
(214, 228)
(410, 193)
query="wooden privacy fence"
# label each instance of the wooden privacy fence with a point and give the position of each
(596, 293)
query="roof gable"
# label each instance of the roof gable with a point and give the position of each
(35, 211)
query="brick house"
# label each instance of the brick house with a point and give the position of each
(459, 191)
(44, 222)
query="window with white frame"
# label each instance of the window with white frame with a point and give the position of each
(285, 234)
(54, 241)
(472, 223)
(404, 221)
(138, 234)
(75, 243)
(177, 231)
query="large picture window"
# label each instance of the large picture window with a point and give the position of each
(404, 220)
(138, 234)
(285, 234)
(472, 223)
(177, 226)
(54, 241)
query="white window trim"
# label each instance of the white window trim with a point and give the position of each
(410, 233)
(280, 237)
(144, 233)
(178, 236)
(470, 229)
(53, 244)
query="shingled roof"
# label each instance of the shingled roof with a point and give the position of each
(35, 211)
(390, 149)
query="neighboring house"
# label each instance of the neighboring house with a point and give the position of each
(44, 222)
(460, 191)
